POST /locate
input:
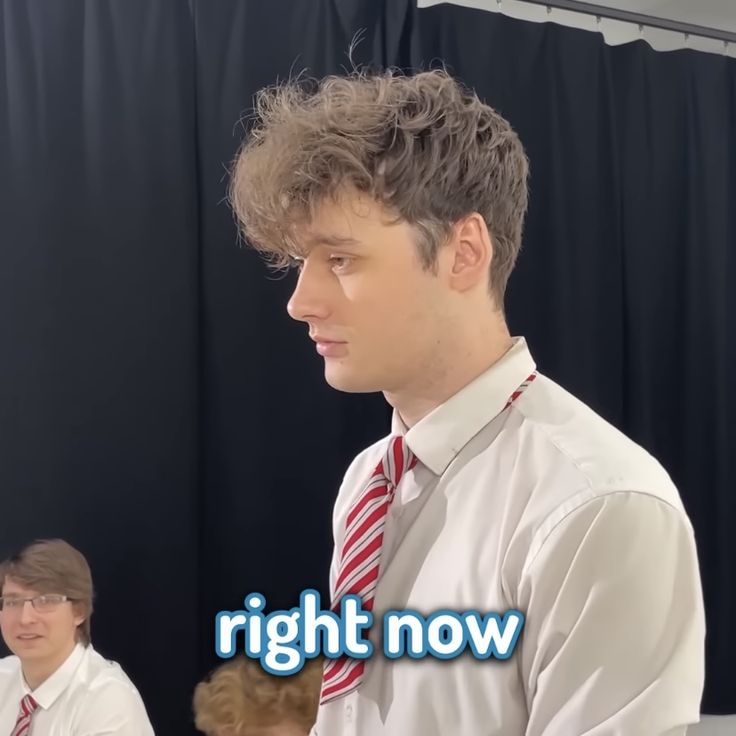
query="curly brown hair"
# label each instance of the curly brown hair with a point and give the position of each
(424, 146)
(240, 697)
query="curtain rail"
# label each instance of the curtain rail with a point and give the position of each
(639, 19)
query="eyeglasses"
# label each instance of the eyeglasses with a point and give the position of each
(40, 603)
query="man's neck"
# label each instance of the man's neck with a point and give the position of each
(463, 367)
(36, 673)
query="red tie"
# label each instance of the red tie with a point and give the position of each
(23, 725)
(361, 551)
(361, 555)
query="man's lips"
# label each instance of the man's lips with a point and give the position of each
(323, 338)
(329, 348)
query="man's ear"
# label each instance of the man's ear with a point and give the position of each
(471, 253)
(80, 614)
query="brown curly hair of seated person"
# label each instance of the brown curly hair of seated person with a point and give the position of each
(240, 697)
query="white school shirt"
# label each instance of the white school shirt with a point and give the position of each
(548, 509)
(87, 696)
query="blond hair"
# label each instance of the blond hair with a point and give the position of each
(54, 566)
(240, 696)
(424, 146)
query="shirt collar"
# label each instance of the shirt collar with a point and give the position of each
(438, 438)
(50, 689)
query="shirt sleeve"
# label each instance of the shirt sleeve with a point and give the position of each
(113, 709)
(613, 643)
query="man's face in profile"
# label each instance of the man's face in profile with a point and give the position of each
(37, 636)
(375, 313)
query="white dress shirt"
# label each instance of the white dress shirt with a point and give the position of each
(87, 696)
(548, 509)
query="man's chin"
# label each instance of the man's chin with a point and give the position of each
(349, 382)
(36, 650)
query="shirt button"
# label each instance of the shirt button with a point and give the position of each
(349, 712)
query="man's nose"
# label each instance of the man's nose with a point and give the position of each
(309, 300)
(27, 612)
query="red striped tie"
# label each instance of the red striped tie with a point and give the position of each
(361, 550)
(361, 555)
(23, 724)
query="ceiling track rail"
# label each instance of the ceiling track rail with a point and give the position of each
(640, 19)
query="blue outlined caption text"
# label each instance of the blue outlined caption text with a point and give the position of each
(283, 640)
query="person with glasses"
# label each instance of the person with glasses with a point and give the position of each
(55, 682)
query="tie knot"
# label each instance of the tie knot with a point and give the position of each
(28, 704)
(399, 458)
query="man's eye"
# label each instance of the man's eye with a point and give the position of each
(340, 262)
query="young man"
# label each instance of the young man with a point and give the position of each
(401, 201)
(56, 683)
(241, 699)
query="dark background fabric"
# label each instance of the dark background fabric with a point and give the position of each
(159, 409)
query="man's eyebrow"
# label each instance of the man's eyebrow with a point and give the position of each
(333, 240)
